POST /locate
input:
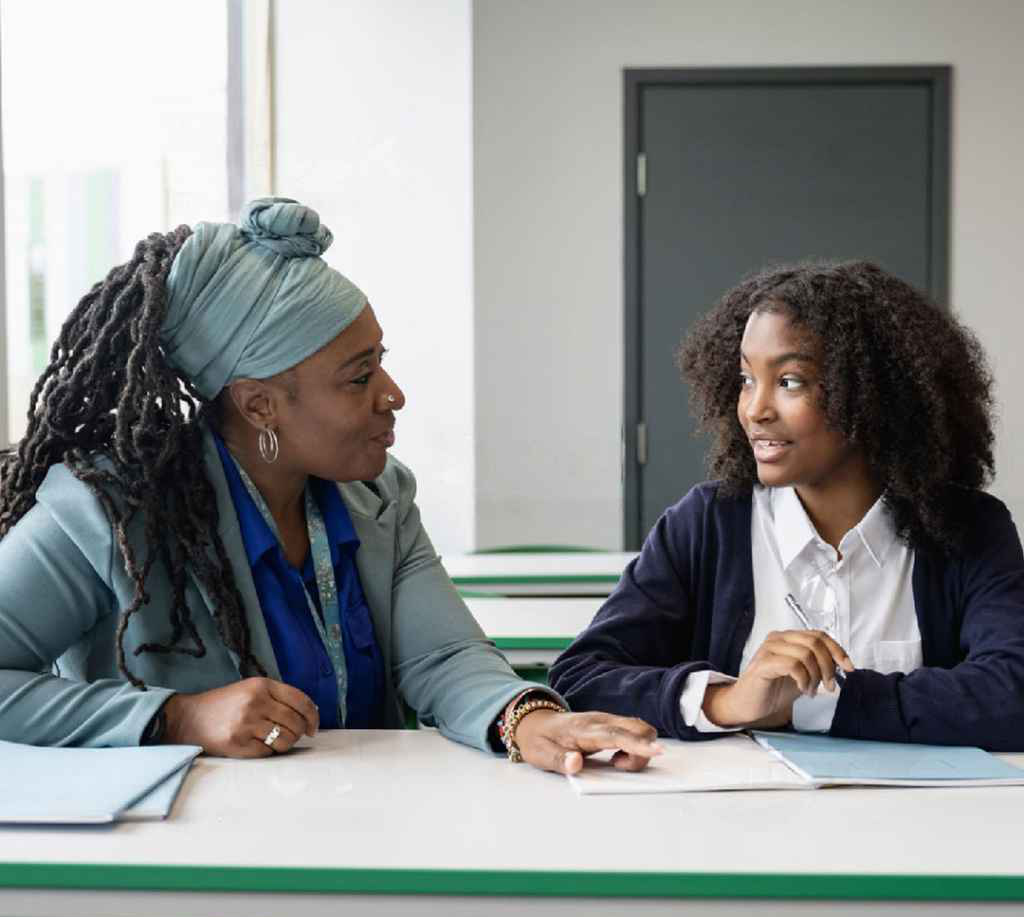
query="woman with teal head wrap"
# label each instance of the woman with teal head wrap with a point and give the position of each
(233, 557)
(253, 300)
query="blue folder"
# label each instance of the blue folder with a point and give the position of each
(825, 760)
(84, 785)
(156, 804)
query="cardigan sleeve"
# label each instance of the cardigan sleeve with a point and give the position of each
(635, 656)
(980, 699)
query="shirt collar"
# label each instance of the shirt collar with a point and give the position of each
(794, 529)
(877, 532)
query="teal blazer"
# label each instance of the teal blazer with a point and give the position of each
(63, 585)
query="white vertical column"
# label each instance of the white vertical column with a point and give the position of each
(373, 128)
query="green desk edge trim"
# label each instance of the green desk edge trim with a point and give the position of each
(541, 549)
(553, 578)
(531, 643)
(511, 883)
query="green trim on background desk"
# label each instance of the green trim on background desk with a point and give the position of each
(531, 643)
(851, 887)
(545, 578)
(540, 549)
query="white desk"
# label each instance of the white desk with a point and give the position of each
(570, 573)
(407, 822)
(533, 631)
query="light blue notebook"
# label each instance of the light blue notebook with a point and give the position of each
(827, 761)
(82, 785)
(156, 804)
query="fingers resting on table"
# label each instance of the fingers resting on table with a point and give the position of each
(560, 741)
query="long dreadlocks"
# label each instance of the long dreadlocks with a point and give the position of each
(110, 407)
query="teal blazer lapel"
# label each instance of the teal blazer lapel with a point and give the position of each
(231, 536)
(375, 524)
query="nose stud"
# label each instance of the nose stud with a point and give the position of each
(391, 399)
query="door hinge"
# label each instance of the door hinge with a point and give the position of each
(641, 443)
(641, 174)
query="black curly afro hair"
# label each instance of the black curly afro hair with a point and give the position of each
(901, 378)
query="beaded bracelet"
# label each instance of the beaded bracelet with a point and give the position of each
(510, 721)
(506, 714)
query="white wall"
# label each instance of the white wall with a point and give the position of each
(547, 81)
(373, 130)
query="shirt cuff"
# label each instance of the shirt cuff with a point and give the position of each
(815, 714)
(691, 701)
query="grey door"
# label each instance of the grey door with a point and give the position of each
(730, 171)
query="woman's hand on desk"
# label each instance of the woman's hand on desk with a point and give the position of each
(233, 721)
(558, 742)
(788, 664)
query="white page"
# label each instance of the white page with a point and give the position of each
(733, 762)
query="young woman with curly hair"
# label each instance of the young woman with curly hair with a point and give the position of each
(843, 572)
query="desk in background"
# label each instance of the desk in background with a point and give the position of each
(393, 822)
(538, 574)
(532, 604)
(531, 632)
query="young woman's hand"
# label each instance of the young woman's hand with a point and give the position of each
(554, 741)
(233, 721)
(788, 664)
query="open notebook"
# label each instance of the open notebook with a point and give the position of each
(791, 761)
(89, 785)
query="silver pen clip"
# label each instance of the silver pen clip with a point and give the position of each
(794, 606)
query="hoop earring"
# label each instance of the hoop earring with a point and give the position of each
(268, 445)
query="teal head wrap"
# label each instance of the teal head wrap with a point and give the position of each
(252, 300)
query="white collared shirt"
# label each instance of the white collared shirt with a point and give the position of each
(865, 600)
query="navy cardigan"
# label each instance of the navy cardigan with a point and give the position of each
(687, 604)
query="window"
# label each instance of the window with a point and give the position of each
(114, 125)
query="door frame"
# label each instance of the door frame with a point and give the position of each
(938, 81)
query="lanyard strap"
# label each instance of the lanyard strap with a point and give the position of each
(329, 628)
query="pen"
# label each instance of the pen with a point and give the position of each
(794, 606)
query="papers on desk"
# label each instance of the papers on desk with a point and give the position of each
(89, 785)
(791, 761)
(733, 762)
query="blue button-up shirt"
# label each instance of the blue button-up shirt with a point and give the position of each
(300, 653)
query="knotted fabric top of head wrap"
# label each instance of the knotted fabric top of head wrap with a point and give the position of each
(252, 300)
